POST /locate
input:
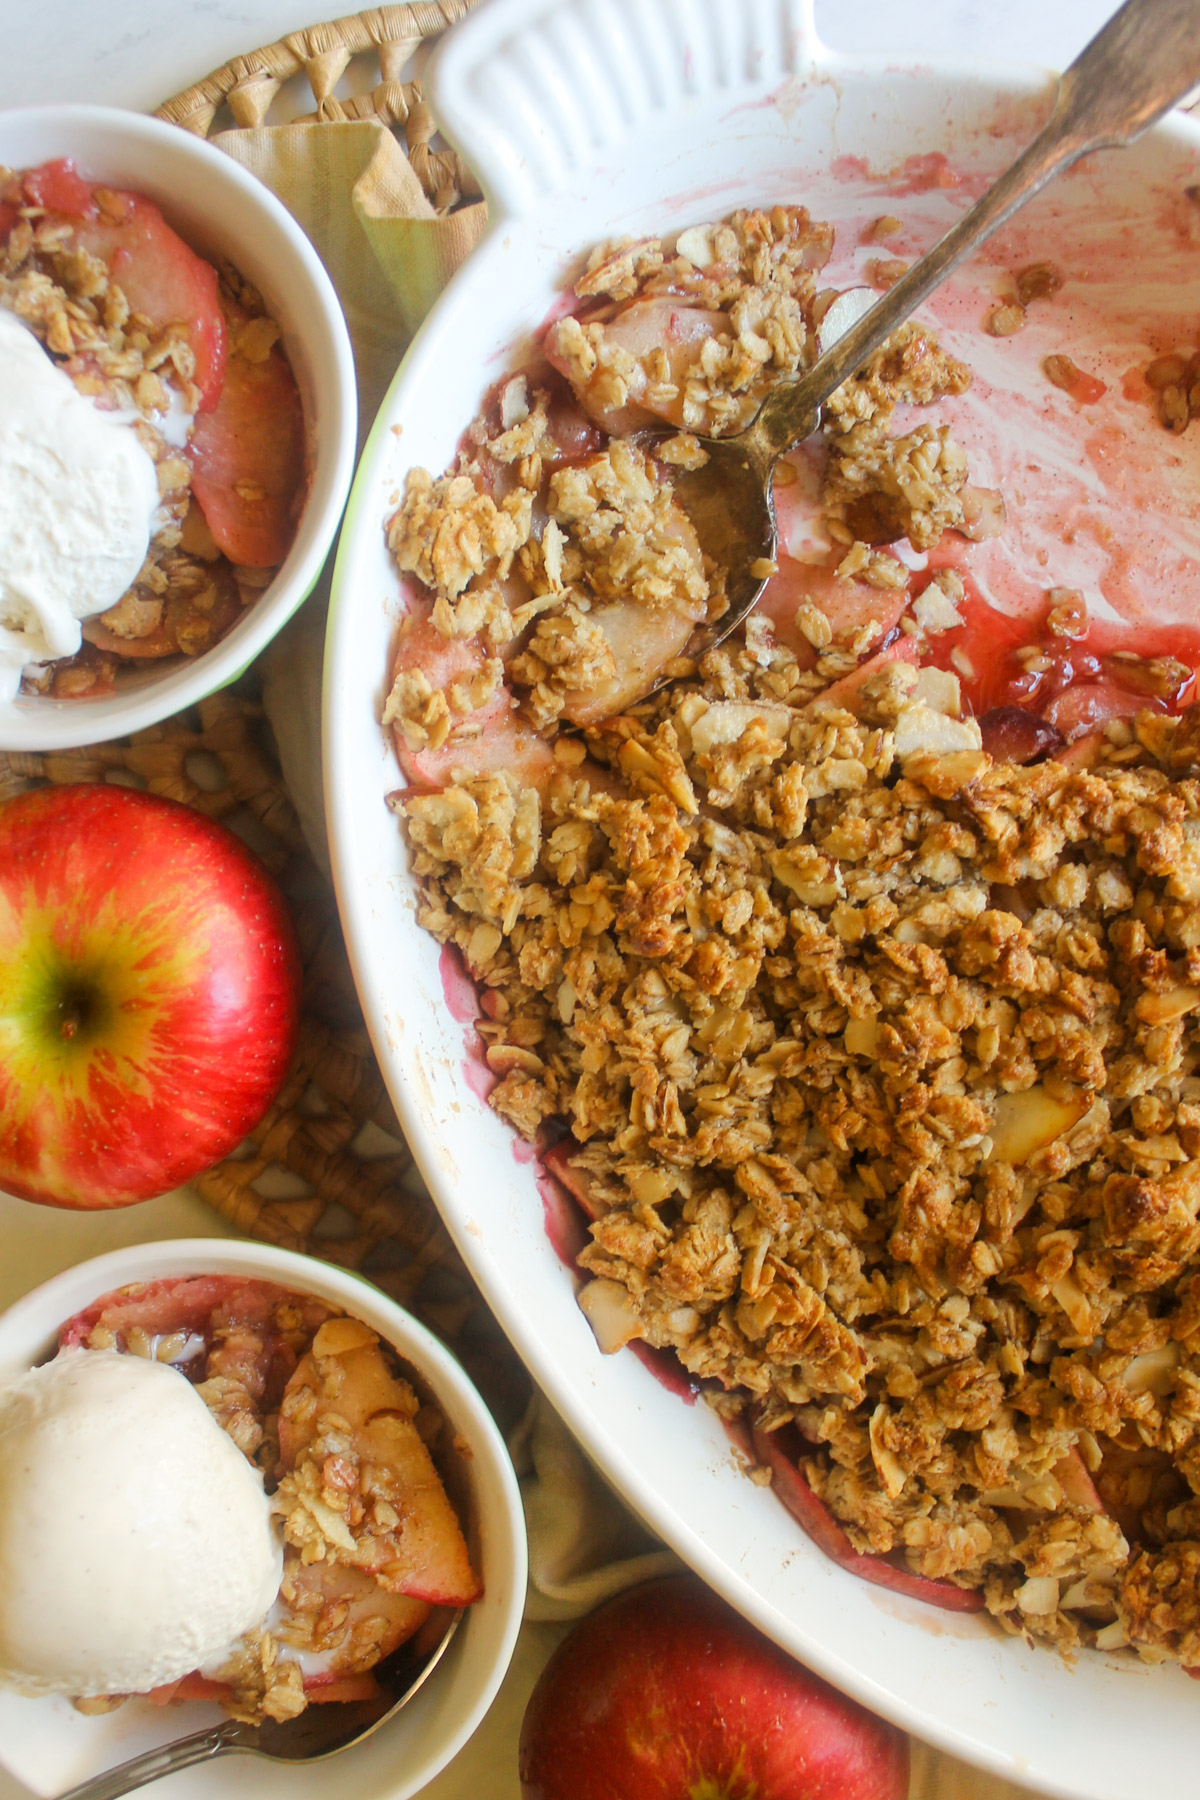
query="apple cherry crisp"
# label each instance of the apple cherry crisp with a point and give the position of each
(374, 1553)
(863, 1028)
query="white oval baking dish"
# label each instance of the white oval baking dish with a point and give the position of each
(592, 118)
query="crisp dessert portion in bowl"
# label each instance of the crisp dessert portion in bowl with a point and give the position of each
(268, 1520)
(152, 439)
(849, 980)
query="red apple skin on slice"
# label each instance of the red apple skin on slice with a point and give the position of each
(578, 1183)
(318, 1689)
(234, 1319)
(248, 461)
(162, 278)
(1087, 707)
(430, 1560)
(846, 604)
(183, 1303)
(1077, 1485)
(491, 740)
(60, 188)
(189, 1687)
(818, 1522)
(501, 743)
(321, 1690)
(494, 739)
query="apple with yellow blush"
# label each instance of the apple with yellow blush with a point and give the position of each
(149, 994)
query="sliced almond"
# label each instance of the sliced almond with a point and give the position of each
(1025, 1123)
(727, 720)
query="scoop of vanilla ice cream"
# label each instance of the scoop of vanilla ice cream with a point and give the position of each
(135, 1537)
(78, 495)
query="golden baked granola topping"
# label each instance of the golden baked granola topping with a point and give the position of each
(878, 1055)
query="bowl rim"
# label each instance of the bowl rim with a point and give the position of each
(29, 1326)
(36, 723)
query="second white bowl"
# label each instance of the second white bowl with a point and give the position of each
(49, 1746)
(220, 210)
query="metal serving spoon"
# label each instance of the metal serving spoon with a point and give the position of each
(1134, 70)
(318, 1732)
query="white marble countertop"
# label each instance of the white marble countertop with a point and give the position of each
(142, 52)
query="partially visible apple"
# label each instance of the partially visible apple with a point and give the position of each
(666, 1694)
(149, 994)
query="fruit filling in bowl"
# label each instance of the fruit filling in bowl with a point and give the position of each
(347, 1459)
(152, 439)
(849, 979)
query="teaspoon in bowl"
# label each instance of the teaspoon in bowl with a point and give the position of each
(1145, 60)
(318, 1732)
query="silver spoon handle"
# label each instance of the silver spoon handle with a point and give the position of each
(154, 1764)
(1132, 72)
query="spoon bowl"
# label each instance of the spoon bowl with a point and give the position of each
(317, 1733)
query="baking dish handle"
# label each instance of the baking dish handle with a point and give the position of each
(533, 92)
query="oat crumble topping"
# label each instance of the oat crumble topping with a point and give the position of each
(878, 1055)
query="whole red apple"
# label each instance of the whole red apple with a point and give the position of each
(666, 1694)
(149, 994)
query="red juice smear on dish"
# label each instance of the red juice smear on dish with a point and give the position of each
(920, 174)
(478, 1077)
(566, 1228)
(982, 653)
(667, 1370)
(463, 1005)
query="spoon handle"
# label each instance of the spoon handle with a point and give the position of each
(1132, 72)
(154, 1764)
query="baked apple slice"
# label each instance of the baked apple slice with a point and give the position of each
(248, 456)
(160, 277)
(182, 623)
(358, 1614)
(158, 1308)
(558, 1161)
(377, 1498)
(818, 1522)
(60, 188)
(654, 328)
(485, 741)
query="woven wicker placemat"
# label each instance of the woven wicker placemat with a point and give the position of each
(382, 41)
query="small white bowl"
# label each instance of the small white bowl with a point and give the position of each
(219, 209)
(50, 1747)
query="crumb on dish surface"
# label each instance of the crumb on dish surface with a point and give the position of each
(871, 1031)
